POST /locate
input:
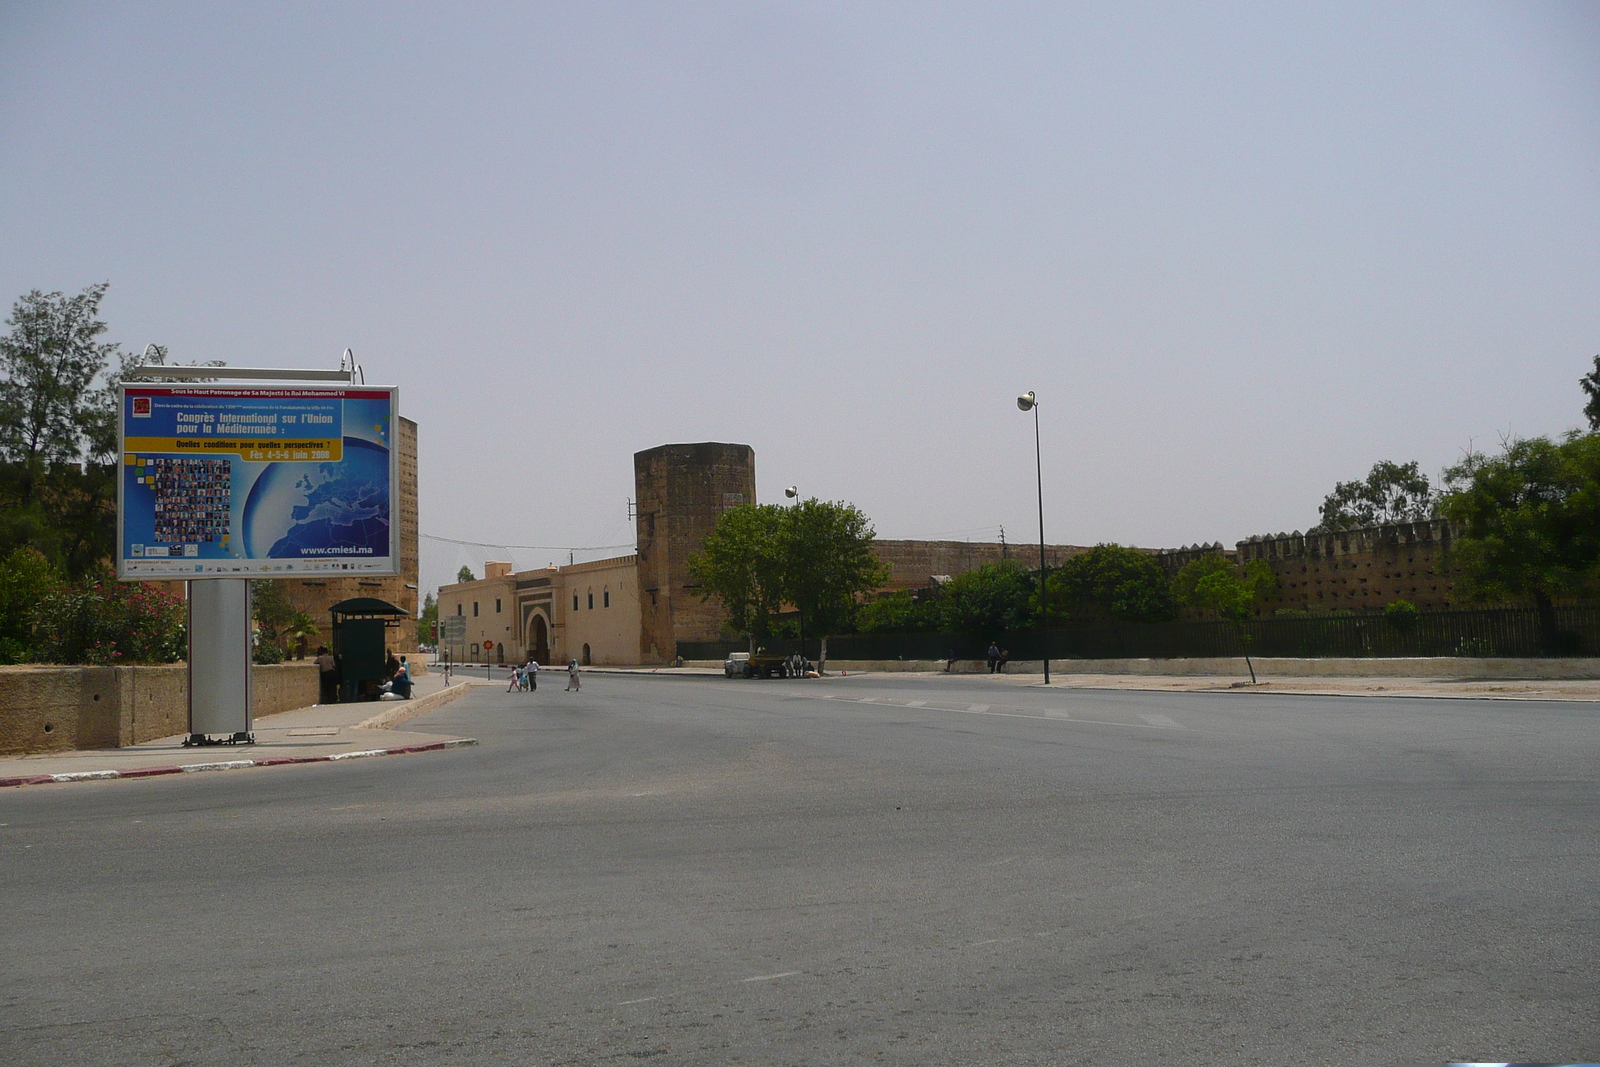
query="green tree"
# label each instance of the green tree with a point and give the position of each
(1591, 386)
(465, 574)
(1530, 521)
(1184, 582)
(57, 487)
(274, 615)
(1233, 592)
(741, 565)
(1391, 492)
(25, 577)
(990, 600)
(48, 364)
(427, 622)
(298, 632)
(1110, 582)
(827, 565)
(1215, 584)
(58, 430)
(898, 613)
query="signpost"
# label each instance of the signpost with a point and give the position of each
(222, 483)
(455, 635)
(488, 667)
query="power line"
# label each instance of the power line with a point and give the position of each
(531, 548)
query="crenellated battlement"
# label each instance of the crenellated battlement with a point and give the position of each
(1361, 569)
(1332, 543)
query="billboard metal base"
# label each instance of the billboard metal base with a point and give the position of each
(219, 662)
(241, 738)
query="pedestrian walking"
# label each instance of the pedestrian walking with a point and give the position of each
(994, 657)
(530, 675)
(950, 662)
(573, 682)
(1005, 657)
(516, 680)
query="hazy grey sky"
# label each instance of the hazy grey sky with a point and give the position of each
(1242, 251)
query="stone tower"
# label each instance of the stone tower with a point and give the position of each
(681, 491)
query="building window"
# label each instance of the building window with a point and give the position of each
(458, 609)
(591, 601)
(497, 605)
(474, 609)
(605, 598)
(574, 601)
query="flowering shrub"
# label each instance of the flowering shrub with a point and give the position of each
(107, 622)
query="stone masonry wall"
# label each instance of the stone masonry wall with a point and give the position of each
(47, 709)
(1356, 570)
(912, 564)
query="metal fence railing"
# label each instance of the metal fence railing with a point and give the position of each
(1487, 632)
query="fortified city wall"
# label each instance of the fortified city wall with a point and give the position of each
(1357, 570)
(683, 489)
(913, 564)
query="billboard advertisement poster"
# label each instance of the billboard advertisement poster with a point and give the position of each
(258, 481)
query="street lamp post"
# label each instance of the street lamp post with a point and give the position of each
(1028, 402)
(793, 493)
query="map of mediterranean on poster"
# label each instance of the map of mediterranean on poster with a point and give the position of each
(245, 482)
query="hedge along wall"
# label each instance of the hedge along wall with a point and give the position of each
(52, 709)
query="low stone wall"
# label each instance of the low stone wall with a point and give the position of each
(1453, 667)
(48, 709)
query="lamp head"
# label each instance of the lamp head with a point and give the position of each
(1026, 402)
(792, 492)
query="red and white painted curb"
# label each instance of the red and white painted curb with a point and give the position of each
(230, 765)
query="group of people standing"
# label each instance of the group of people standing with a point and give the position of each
(526, 677)
(396, 678)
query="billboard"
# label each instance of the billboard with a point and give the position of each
(257, 481)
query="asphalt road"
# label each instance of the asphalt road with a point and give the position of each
(777, 872)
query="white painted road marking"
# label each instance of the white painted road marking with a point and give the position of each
(641, 1000)
(1152, 722)
(769, 977)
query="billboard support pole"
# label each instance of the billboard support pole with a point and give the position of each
(219, 663)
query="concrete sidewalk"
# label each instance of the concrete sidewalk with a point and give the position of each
(1389, 686)
(324, 732)
(1452, 688)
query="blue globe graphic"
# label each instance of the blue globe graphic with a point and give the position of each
(297, 510)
